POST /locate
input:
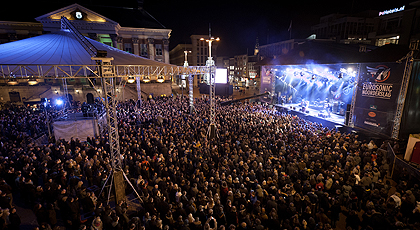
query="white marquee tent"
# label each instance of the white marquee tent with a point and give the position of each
(62, 48)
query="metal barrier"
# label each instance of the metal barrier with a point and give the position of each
(400, 168)
(41, 140)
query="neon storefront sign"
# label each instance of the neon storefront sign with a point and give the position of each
(391, 11)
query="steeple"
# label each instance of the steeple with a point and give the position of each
(257, 47)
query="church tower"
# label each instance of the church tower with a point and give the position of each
(257, 47)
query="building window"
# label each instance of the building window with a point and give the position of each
(385, 41)
(143, 50)
(158, 49)
(128, 48)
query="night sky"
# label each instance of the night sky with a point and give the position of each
(237, 23)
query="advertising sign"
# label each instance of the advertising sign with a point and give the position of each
(266, 81)
(377, 96)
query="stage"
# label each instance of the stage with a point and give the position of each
(367, 94)
(333, 120)
(336, 121)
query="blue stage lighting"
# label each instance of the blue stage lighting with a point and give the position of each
(59, 102)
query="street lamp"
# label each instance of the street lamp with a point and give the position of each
(186, 52)
(210, 61)
(212, 87)
(210, 41)
(190, 83)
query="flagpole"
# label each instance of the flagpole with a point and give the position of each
(290, 30)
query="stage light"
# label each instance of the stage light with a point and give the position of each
(131, 79)
(59, 102)
(161, 79)
(32, 81)
(12, 82)
(146, 79)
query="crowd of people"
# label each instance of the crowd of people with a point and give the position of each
(264, 170)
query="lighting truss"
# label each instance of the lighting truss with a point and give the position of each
(191, 92)
(403, 93)
(353, 99)
(90, 71)
(212, 95)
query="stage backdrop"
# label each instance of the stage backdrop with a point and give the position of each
(377, 96)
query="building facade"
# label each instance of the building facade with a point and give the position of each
(345, 28)
(137, 33)
(152, 43)
(275, 49)
(399, 25)
(177, 54)
(245, 70)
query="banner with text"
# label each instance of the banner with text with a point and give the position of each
(377, 96)
(266, 84)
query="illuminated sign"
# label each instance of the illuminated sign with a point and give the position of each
(395, 10)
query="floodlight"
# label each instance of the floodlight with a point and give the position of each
(146, 79)
(59, 102)
(161, 79)
(32, 81)
(131, 79)
(12, 82)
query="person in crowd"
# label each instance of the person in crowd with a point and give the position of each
(265, 170)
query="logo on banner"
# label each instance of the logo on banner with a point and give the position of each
(371, 123)
(377, 88)
(381, 72)
(372, 114)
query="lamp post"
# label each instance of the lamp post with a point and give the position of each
(212, 86)
(190, 82)
(183, 76)
(186, 52)
(210, 61)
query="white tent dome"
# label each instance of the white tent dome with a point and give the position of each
(62, 48)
